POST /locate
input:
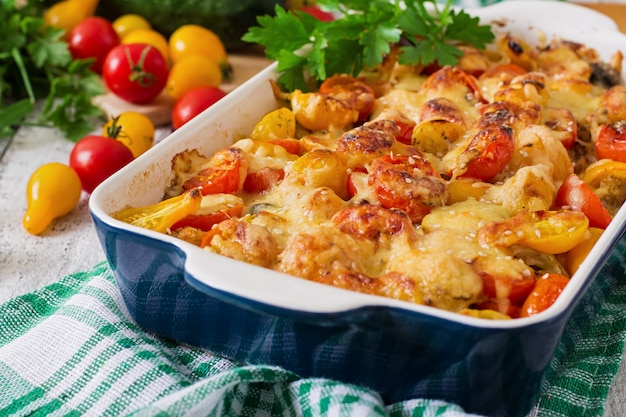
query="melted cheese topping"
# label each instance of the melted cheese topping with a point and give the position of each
(327, 217)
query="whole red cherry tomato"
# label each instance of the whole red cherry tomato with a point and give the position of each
(193, 103)
(135, 72)
(96, 158)
(93, 37)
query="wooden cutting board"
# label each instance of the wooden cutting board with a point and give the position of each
(160, 110)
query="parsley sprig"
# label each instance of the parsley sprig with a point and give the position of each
(36, 64)
(364, 34)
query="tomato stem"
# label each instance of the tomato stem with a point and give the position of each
(114, 130)
(138, 74)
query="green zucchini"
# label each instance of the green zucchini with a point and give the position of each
(229, 19)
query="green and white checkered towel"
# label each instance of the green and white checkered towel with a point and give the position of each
(71, 349)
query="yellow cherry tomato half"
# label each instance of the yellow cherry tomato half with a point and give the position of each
(554, 232)
(577, 255)
(53, 190)
(150, 37)
(133, 129)
(127, 23)
(277, 124)
(192, 72)
(164, 214)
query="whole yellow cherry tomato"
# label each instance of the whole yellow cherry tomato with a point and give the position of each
(150, 37)
(190, 73)
(127, 23)
(53, 190)
(133, 129)
(191, 39)
(67, 14)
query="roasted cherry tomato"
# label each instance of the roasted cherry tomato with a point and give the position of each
(357, 181)
(96, 158)
(355, 93)
(193, 102)
(136, 72)
(487, 154)
(224, 173)
(133, 129)
(555, 231)
(214, 208)
(163, 215)
(610, 142)
(93, 38)
(263, 179)
(409, 183)
(512, 290)
(317, 111)
(404, 124)
(576, 195)
(545, 292)
(503, 72)
(290, 145)
(277, 124)
(577, 255)
(447, 77)
(406, 132)
(607, 178)
(561, 120)
(53, 190)
(550, 232)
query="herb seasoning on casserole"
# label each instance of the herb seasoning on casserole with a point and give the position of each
(476, 188)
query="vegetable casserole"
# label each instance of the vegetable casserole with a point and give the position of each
(476, 188)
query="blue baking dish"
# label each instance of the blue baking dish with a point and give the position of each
(255, 315)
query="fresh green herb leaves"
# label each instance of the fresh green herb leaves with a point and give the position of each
(304, 46)
(35, 63)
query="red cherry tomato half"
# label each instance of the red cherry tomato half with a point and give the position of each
(576, 195)
(94, 37)
(289, 144)
(224, 173)
(488, 153)
(207, 221)
(135, 72)
(263, 180)
(193, 103)
(96, 158)
(610, 142)
(545, 292)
